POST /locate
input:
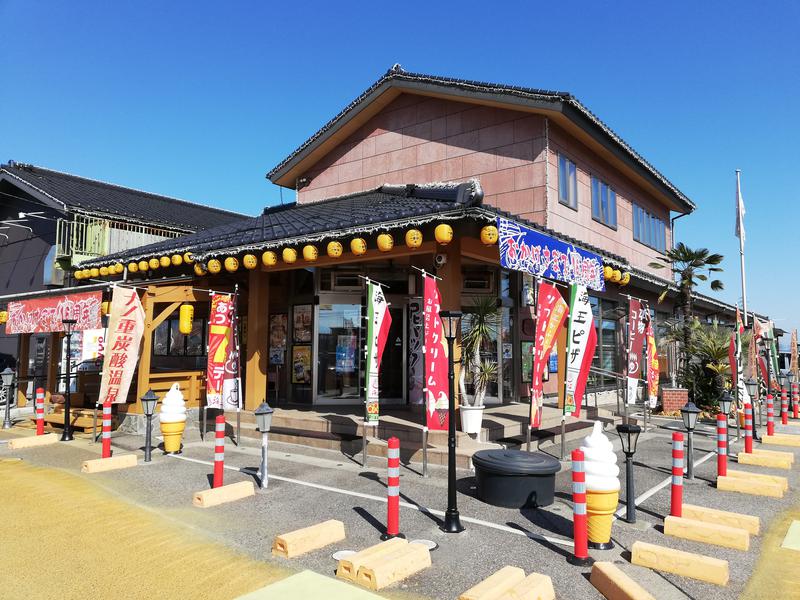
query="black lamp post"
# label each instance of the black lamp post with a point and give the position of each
(725, 403)
(689, 414)
(66, 436)
(8, 380)
(264, 423)
(751, 385)
(629, 436)
(149, 401)
(451, 322)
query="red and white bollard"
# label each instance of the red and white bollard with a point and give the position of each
(393, 490)
(795, 408)
(722, 445)
(106, 430)
(784, 407)
(770, 415)
(39, 411)
(676, 497)
(580, 532)
(748, 428)
(219, 450)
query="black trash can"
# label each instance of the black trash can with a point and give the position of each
(515, 479)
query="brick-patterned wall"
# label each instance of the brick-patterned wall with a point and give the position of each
(674, 398)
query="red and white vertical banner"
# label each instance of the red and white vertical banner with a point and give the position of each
(551, 312)
(39, 411)
(125, 330)
(378, 322)
(437, 391)
(581, 343)
(652, 366)
(638, 317)
(219, 347)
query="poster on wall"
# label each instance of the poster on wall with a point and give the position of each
(278, 334)
(346, 353)
(93, 345)
(301, 330)
(527, 362)
(301, 364)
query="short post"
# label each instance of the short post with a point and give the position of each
(393, 490)
(8, 380)
(784, 407)
(722, 445)
(364, 447)
(676, 497)
(425, 451)
(563, 435)
(580, 533)
(528, 428)
(748, 428)
(219, 451)
(106, 430)
(770, 416)
(39, 411)
(264, 423)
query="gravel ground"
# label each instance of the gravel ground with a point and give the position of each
(536, 540)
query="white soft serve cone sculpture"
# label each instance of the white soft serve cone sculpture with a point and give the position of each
(173, 419)
(602, 486)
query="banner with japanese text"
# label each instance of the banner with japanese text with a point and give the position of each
(46, 315)
(638, 319)
(437, 393)
(378, 322)
(125, 330)
(793, 355)
(736, 363)
(551, 311)
(581, 343)
(652, 365)
(219, 347)
(530, 251)
(231, 380)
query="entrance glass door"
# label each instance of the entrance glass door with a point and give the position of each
(392, 365)
(339, 360)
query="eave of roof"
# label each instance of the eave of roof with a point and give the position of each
(544, 100)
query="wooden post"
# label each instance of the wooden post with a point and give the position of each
(22, 368)
(255, 391)
(143, 378)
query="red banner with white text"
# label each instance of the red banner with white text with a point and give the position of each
(219, 347)
(551, 312)
(437, 396)
(45, 315)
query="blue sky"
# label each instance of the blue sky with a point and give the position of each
(200, 99)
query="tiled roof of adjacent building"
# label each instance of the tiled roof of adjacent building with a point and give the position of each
(80, 194)
(477, 90)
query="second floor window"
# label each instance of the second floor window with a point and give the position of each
(604, 203)
(649, 229)
(567, 182)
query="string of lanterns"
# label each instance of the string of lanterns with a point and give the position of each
(616, 275)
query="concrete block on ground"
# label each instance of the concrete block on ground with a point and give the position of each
(534, 587)
(378, 572)
(100, 465)
(32, 441)
(348, 567)
(749, 523)
(783, 453)
(781, 439)
(494, 585)
(776, 479)
(763, 460)
(685, 564)
(223, 494)
(300, 541)
(708, 533)
(749, 486)
(612, 583)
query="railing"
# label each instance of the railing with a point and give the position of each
(87, 237)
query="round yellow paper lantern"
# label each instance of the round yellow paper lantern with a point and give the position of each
(249, 261)
(104, 271)
(489, 235)
(289, 255)
(118, 268)
(608, 272)
(185, 318)
(214, 266)
(443, 234)
(143, 265)
(79, 274)
(3, 316)
(133, 267)
(310, 253)
(269, 258)
(187, 258)
(358, 246)
(413, 238)
(626, 279)
(154, 263)
(177, 260)
(231, 264)
(200, 269)
(164, 261)
(94, 272)
(104, 306)
(385, 242)
(334, 249)
(616, 276)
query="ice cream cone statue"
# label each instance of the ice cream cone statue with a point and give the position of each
(602, 486)
(173, 419)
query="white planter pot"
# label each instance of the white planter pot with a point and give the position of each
(471, 418)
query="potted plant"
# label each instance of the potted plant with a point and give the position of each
(481, 322)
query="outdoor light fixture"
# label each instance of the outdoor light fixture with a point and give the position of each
(782, 379)
(689, 414)
(66, 436)
(8, 380)
(451, 323)
(149, 401)
(629, 436)
(725, 403)
(263, 424)
(752, 387)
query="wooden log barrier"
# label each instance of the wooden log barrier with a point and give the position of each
(221, 495)
(535, 587)
(787, 455)
(781, 439)
(301, 541)
(749, 486)
(494, 585)
(776, 479)
(378, 572)
(32, 442)
(749, 523)
(685, 564)
(100, 465)
(763, 460)
(708, 533)
(348, 567)
(612, 583)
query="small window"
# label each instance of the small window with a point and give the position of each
(567, 182)
(649, 229)
(604, 203)
(169, 341)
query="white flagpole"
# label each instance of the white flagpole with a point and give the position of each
(740, 230)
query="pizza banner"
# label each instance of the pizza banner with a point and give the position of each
(378, 322)
(581, 343)
(46, 315)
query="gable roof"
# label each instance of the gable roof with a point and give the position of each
(562, 106)
(79, 194)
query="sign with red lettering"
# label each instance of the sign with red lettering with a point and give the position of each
(219, 347)
(125, 329)
(45, 315)
(551, 312)
(437, 397)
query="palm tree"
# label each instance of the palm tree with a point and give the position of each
(688, 267)
(482, 322)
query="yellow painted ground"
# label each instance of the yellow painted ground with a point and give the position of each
(777, 573)
(107, 548)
